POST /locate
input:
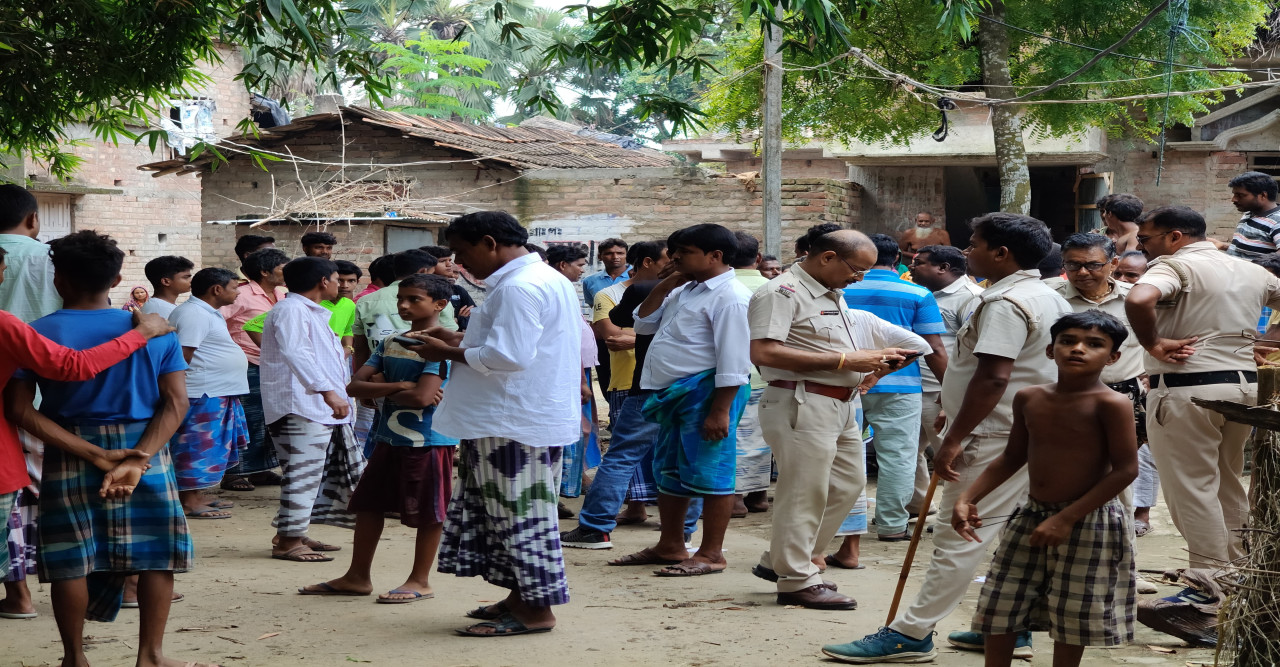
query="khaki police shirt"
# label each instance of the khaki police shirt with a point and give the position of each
(1000, 327)
(956, 303)
(1129, 365)
(802, 313)
(1220, 303)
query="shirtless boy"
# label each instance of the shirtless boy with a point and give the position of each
(1069, 546)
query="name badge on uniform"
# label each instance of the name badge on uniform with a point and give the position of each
(829, 312)
(785, 291)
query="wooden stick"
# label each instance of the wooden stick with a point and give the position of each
(911, 548)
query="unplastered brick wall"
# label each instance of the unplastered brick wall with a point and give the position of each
(815, 168)
(650, 203)
(239, 189)
(1190, 178)
(147, 216)
(912, 190)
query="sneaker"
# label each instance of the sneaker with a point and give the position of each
(884, 646)
(1190, 595)
(974, 641)
(585, 538)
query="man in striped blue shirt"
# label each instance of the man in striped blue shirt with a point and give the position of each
(892, 404)
(1258, 232)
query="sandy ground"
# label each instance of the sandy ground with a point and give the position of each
(241, 608)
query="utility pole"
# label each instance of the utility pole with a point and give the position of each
(772, 169)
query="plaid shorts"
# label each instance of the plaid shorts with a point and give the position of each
(1082, 591)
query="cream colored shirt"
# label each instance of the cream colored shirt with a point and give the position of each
(1131, 353)
(1220, 303)
(1001, 327)
(802, 313)
(956, 303)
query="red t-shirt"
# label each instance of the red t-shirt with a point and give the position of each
(22, 347)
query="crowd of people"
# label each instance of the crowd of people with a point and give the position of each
(1048, 386)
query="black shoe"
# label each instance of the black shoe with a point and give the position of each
(565, 512)
(768, 574)
(585, 538)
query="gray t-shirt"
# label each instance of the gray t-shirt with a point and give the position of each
(158, 307)
(218, 365)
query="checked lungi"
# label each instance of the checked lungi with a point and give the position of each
(321, 466)
(83, 535)
(24, 516)
(209, 440)
(1082, 590)
(503, 524)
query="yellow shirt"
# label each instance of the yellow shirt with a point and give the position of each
(622, 364)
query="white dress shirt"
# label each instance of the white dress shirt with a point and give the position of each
(301, 357)
(523, 376)
(218, 364)
(698, 327)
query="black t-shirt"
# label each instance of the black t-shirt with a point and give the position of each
(623, 315)
(461, 299)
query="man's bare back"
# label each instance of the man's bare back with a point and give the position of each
(1068, 437)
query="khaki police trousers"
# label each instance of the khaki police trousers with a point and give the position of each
(1200, 457)
(929, 410)
(817, 442)
(956, 561)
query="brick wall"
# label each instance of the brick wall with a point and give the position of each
(148, 217)
(591, 205)
(557, 205)
(1190, 178)
(818, 168)
(892, 196)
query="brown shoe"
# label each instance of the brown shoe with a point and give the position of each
(818, 597)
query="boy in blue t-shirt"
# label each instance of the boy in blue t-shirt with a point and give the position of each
(98, 527)
(411, 469)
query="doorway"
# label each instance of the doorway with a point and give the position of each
(975, 191)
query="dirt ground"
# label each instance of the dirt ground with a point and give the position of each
(241, 608)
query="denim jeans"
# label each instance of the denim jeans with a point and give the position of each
(896, 420)
(633, 438)
(261, 454)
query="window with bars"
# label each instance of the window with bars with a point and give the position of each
(1267, 163)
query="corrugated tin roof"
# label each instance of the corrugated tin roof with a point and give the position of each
(520, 147)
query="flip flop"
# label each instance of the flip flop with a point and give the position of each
(18, 615)
(317, 545)
(505, 625)
(237, 484)
(327, 589)
(695, 568)
(220, 504)
(296, 555)
(1141, 528)
(832, 562)
(266, 478)
(416, 596)
(482, 612)
(630, 520)
(208, 513)
(644, 556)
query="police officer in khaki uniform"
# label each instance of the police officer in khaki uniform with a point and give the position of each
(813, 351)
(1195, 312)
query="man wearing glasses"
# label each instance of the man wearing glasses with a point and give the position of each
(813, 351)
(1195, 311)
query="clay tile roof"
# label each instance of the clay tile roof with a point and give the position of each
(521, 147)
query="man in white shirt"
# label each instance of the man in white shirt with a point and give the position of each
(214, 430)
(515, 402)
(305, 372)
(699, 365)
(170, 278)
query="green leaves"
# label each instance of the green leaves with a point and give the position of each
(430, 74)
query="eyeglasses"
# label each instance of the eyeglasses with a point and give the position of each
(1142, 240)
(1090, 266)
(858, 274)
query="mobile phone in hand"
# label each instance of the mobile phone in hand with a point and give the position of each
(407, 341)
(909, 358)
